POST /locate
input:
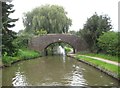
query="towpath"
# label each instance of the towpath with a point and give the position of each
(101, 59)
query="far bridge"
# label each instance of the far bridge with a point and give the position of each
(40, 43)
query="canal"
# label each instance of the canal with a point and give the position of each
(54, 71)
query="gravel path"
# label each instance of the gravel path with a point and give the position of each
(101, 59)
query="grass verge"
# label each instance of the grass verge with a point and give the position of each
(23, 54)
(109, 67)
(68, 49)
(104, 56)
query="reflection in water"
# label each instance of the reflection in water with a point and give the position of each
(61, 50)
(64, 59)
(77, 78)
(19, 80)
(54, 70)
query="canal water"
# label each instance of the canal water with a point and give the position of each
(54, 71)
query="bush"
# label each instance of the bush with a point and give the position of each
(108, 42)
(21, 41)
(27, 54)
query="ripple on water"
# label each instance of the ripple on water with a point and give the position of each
(19, 80)
(77, 78)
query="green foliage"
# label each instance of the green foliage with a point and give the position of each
(94, 27)
(7, 22)
(28, 54)
(8, 35)
(51, 18)
(23, 54)
(7, 60)
(7, 46)
(41, 32)
(22, 40)
(67, 49)
(108, 42)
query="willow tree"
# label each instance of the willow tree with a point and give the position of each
(50, 18)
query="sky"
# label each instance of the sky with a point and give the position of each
(78, 10)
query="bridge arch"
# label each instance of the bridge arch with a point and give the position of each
(59, 43)
(39, 43)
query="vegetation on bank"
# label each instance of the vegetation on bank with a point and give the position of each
(23, 54)
(67, 49)
(109, 43)
(109, 67)
(104, 56)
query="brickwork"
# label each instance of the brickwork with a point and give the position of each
(41, 42)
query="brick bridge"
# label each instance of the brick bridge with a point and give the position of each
(40, 43)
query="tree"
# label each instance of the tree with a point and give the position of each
(94, 27)
(51, 18)
(22, 40)
(41, 32)
(108, 42)
(8, 35)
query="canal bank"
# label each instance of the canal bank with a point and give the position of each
(16, 61)
(102, 69)
(23, 54)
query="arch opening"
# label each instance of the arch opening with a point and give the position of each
(51, 49)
